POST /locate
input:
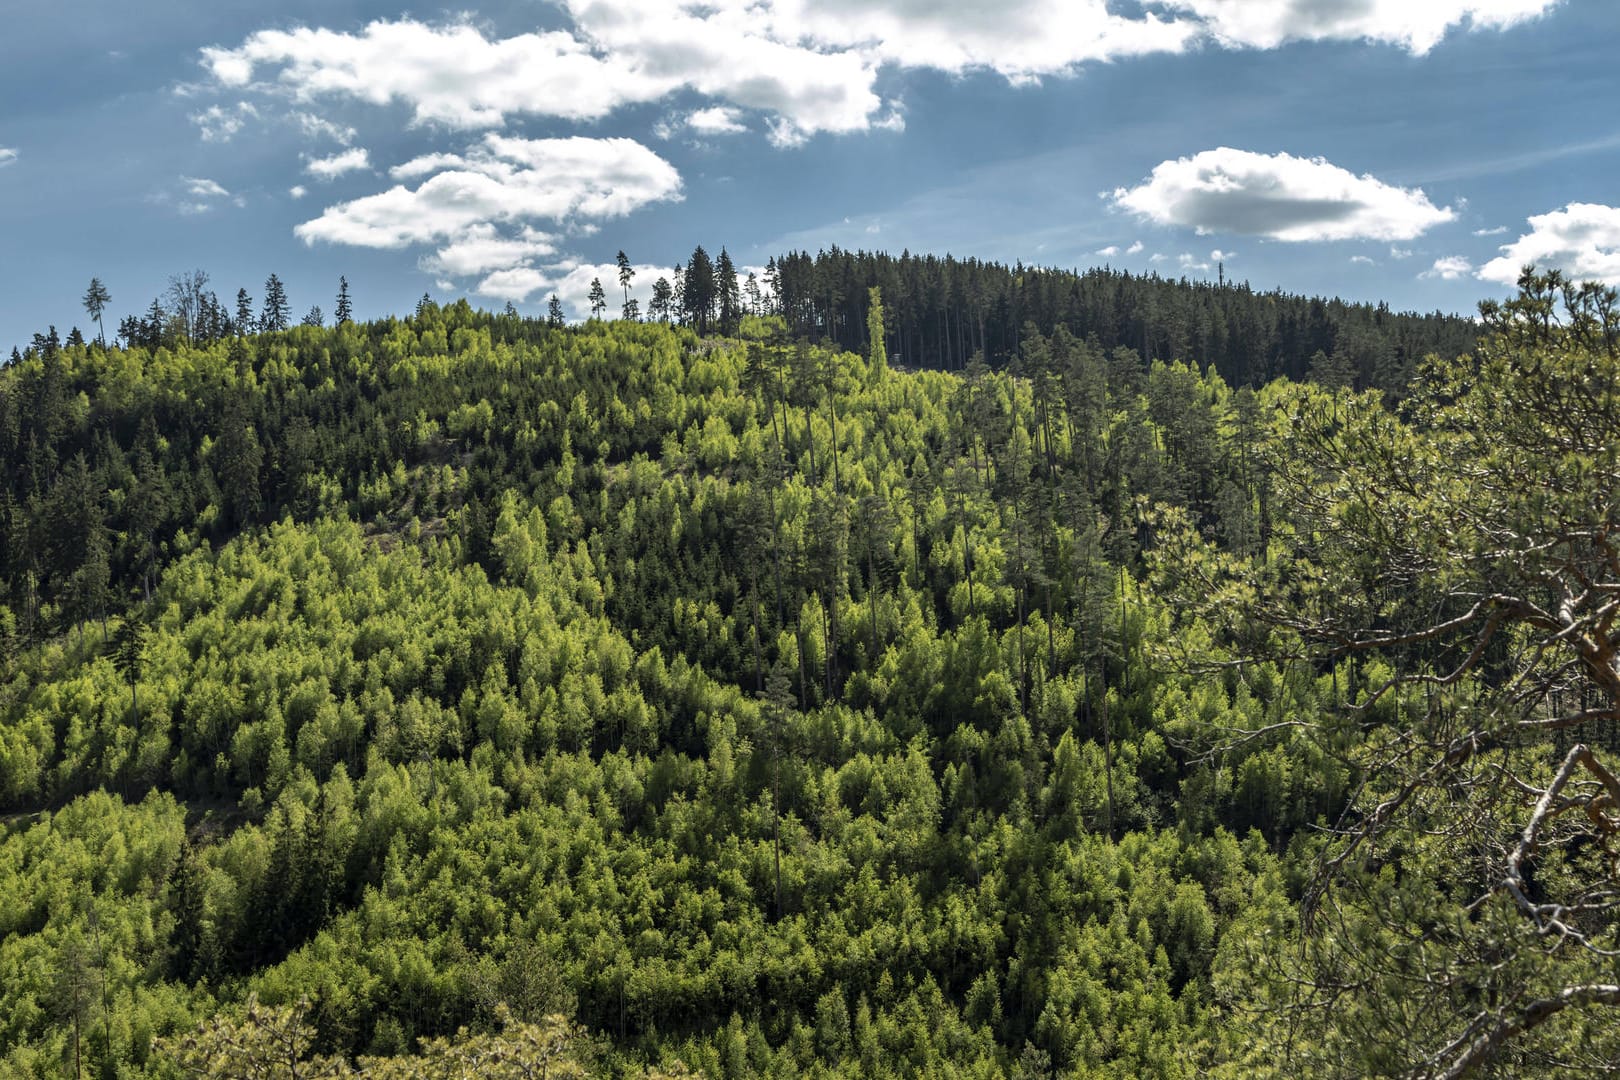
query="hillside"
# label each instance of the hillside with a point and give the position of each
(764, 709)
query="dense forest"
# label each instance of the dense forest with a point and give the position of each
(468, 694)
(940, 312)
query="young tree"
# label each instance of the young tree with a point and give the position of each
(879, 358)
(598, 298)
(96, 299)
(554, 312)
(274, 314)
(752, 294)
(315, 316)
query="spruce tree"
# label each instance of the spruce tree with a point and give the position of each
(345, 311)
(274, 314)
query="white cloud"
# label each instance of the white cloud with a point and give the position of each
(516, 284)
(1498, 231)
(481, 249)
(319, 127)
(571, 282)
(1449, 268)
(810, 65)
(1278, 196)
(1582, 240)
(1021, 40)
(329, 168)
(8, 155)
(504, 180)
(621, 54)
(1399, 252)
(1363, 260)
(298, 191)
(1221, 256)
(1188, 261)
(219, 123)
(718, 120)
(1414, 26)
(426, 165)
(1108, 252)
(203, 188)
(1135, 248)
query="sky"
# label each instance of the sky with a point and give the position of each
(1417, 152)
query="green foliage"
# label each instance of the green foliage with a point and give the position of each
(761, 710)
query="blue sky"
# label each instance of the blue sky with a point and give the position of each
(1414, 151)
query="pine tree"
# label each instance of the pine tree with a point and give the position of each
(244, 312)
(598, 298)
(627, 273)
(554, 312)
(274, 314)
(315, 316)
(345, 311)
(96, 299)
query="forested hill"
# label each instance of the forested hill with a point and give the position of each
(467, 695)
(940, 311)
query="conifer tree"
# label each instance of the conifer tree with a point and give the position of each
(627, 274)
(274, 314)
(345, 310)
(96, 299)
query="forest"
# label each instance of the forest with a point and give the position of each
(1028, 675)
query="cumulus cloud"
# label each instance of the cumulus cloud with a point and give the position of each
(1363, 260)
(8, 155)
(481, 249)
(1416, 27)
(1108, 252)
(503, 180)
(1280, 197)
(1498, 231)
(298, 191)
(516, 284)
(329, 168)
(1449, 268)
(718, 120)
(1582, 240)
(810, 65)
(479, 208)
(621, 54)
(1135, 248)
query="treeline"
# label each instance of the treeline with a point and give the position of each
(940, 312)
